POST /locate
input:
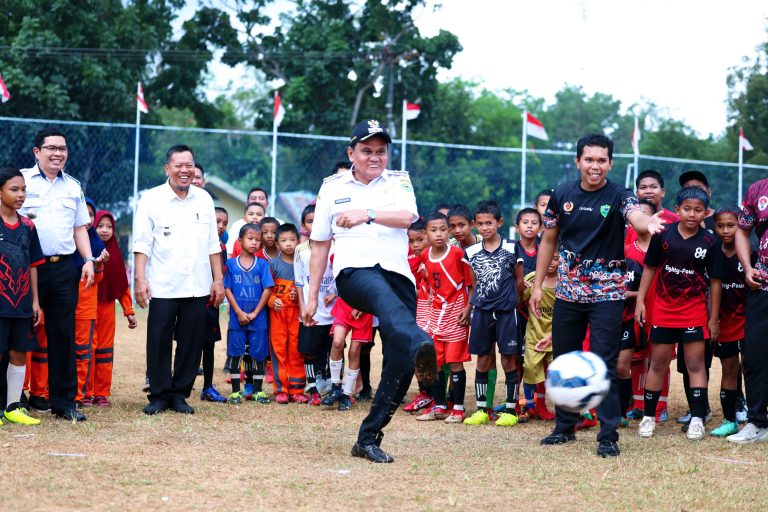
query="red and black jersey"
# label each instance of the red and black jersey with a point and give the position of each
(634, 257)
(733, 298)
(529, 258)
(684, 267)
(448, 276)
(19, 250)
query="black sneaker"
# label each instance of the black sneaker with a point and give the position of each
(364, 394)
(181, 406)
(425, 362)
(155, 407)
(558, 438)
(334, 395)
(372, 452)
(344, 402)
(608, 448)
(39, 403)
(70, 415)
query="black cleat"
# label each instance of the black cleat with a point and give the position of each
(333, 396)
(425, 363)
(372, 452)
(156, 407)
(181, 406)
(608, 448)
(344, 402)
(70, 415)
(558, 438)
(39, 403)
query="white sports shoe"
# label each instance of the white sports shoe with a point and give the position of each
(647, 426)
(741, 416)
(695, 429)
(749, 434)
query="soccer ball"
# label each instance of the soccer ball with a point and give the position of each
(577, 381)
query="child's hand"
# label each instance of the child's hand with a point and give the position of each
(464, 316)
(35, 313)
(293, 295)
(714, 329)
(640, 313)
(543, 344)
(356, 314)
(277, 305)
(329, 298)
(103, 257)
(242, 317)
(132, 323)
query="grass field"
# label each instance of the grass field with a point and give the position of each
(293, 457)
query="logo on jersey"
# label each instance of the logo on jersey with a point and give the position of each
(604, 210)
(740, 268)
(762, 203)
(568, 207)
(700, 253)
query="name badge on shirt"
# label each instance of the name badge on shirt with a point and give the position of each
(343, 200)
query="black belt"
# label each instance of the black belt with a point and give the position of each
(57, 258)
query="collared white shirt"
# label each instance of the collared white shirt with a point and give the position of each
(178, 236)
(371, 244)
(301, 276)
(56, 207)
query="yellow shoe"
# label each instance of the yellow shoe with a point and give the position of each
(478, 418)
(20, 416)
(506, 420)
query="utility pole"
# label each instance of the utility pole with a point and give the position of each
(389, 55)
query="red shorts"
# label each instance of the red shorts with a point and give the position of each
(361, 327)
(451, 352)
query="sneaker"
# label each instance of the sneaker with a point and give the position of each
(606, 448)
(499, 408)
(433, 413)
(248, 392)
(39, 403)
(635, 414)
(235, 398)
(365, 394)
(541, 412)
(314, 399)
(372, 452)
(662, 416)
(684, 419)
(506, 419)
(749, 434)
(20, 416)
(726, 428)
(212, 395)
(344, 402)
(262, 398)
(558, 438)
(420, 401)
(455, 416)
(647, 426)
(299, 398)
(525, 415)
(282, 398)
(333, 396)
(624, 422)
(478, 418)
(587, 420)
(741, 412)
(87, 401)
(101, 401)
(696, 429)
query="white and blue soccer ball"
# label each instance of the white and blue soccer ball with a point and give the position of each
(577, 381)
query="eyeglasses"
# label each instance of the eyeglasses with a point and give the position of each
(53, 149)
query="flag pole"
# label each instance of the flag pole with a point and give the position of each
(636, 149)
(404, 128)
(741, 167)
(135, 199)
(525, 150)
(274, 167)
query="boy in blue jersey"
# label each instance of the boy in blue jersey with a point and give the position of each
(248, 285)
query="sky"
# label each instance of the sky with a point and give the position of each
(674, 53)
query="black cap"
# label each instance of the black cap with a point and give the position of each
(693, 175)
(365, 130)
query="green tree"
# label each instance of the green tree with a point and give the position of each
(747, 106)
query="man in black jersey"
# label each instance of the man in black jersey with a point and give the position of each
(585, 221)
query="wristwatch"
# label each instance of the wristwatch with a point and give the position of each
(371, 216)
(89, 258)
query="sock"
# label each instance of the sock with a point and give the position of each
(739, 384)
(700, 403)
(459, 380)
(438, 389)
(625, 395)
(687, 387)
(208, 365)
(234, 373)
(639, 371)
(336, 371)
(511, 382)
(309, 371)
(664, 398)
(15, 379)
(541, 394)
(258, 376)
(651, 399)
(728, 402)
(365, 368)
(490, 388)
(481, 388)
(529, 391)
(350, 379)
(248, 368)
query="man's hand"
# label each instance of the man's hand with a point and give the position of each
(656, 223)
(640, 313)
(142, 292)
(132, 323)
(753, 278)
(217, 293)
(544, 343)
(535, 302)
(87, 274)
(352, 218)
(309, 311)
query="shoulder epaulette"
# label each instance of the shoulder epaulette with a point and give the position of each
(398, 173)
(69, 176)
(332, 177)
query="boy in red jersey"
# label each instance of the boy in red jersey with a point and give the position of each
(684, 257)
(450, 279)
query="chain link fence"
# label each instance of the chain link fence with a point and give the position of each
(101, 156)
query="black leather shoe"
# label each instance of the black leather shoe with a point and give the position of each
(608, 448)
(181, 406)
(39, 403)
(558, 438)
(155, 407)
(371, 452)
(70, 415)
(364, 394)
(425, 363)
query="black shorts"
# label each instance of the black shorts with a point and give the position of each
(315, 340)
(630, 338)
(672, 335)
(708, 356)
(489, 327)
(17, 334)
(212, 327)
(727, 349)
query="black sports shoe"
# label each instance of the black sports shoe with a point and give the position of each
(364, 394)
(70, 415)
(334, 395)
(425, 362)
(608, 448)
(372, 452)
(558, 438)
(181, 406)
(344, 402)
(39, 403)
(155, 407)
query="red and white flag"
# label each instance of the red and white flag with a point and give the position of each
(743, 142)
(4, 94)
(279, 111)
(636, 136)
(535, 128)
(412, 111)
(140, 103)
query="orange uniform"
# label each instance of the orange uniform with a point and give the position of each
(100, 383)
(85, 330)
(287, 361)
(36, 379)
